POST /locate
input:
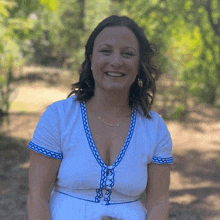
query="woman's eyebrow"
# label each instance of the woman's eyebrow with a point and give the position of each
(108, 45)
(127, 47)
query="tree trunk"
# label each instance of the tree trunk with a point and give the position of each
(219, 42)
(215, 27)
(82, 14)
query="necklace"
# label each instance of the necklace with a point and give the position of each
(108, 123)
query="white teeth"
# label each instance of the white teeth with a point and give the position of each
(114, 74)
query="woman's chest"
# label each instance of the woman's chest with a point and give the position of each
(109, 141)
(81, 169)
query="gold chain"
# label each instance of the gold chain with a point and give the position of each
(108, 123)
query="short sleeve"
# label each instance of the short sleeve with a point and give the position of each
(163, 151)
(46, 137)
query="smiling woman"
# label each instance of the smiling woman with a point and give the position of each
(115, 60)
(94, 153)
(138, 49)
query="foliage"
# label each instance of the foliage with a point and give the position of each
(16, 26)
(58, 32)
(71, 27)
(9, 52)
(185, 32)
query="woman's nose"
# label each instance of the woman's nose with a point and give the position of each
(116, 59)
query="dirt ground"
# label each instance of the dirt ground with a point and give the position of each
(195, 176)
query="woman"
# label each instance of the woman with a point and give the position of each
(98, 150)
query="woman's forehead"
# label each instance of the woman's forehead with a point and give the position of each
(118, 35)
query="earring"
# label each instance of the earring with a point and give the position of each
(88, 84)
(140, 83)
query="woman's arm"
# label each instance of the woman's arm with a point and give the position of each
(158, 192)
(42, 175)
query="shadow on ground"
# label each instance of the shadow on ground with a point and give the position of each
(14, 158)
(194, 202)
(199, 114)
(15, 133)
(200, 174)
(48, 77)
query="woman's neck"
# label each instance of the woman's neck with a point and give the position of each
(112, 104)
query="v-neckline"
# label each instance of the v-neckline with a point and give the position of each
(92, 143)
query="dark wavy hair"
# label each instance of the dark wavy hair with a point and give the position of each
(138, 95)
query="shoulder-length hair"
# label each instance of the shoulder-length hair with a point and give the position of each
(140, 95)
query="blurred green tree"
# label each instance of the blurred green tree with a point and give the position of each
(60, 34)
(16, 26)
(187, 35)
(69, 28)
(66, 31)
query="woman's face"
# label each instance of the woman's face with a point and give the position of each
(115, 59)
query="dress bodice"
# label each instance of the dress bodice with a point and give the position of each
(63, 133)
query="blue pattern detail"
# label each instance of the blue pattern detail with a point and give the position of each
(109, 185)
(106, 181)
(45, 151)
(129, 136)
(95, 201)
(110, 178)
(99, 195)
(88, 134)
(103, 177)
(159, 160)
(107, 196)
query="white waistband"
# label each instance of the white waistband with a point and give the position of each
(89, 195)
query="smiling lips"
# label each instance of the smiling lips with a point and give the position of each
(115, 74)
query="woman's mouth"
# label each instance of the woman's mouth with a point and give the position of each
(115, 74)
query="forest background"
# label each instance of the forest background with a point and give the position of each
(44, 40)
(186, 33)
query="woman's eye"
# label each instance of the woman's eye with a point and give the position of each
(128, 54)
(105, 51)
(125, 54)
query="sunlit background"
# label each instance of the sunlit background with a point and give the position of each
(41, 49)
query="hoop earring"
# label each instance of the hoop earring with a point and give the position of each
(140, 83)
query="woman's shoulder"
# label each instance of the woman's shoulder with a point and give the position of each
(70, 101)
(155, 120)
(153, 115)
(65, 105)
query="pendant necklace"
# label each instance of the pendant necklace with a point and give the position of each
(111, 125)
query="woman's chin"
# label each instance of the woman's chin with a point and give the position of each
(115, 88)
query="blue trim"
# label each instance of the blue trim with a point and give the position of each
(159, 160)
(91, 141)
(44, 151)
(94, 201)
(99, 195)
(104, 167)
(88, 134)
(128, 138)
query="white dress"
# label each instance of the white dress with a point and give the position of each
(85, 187)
